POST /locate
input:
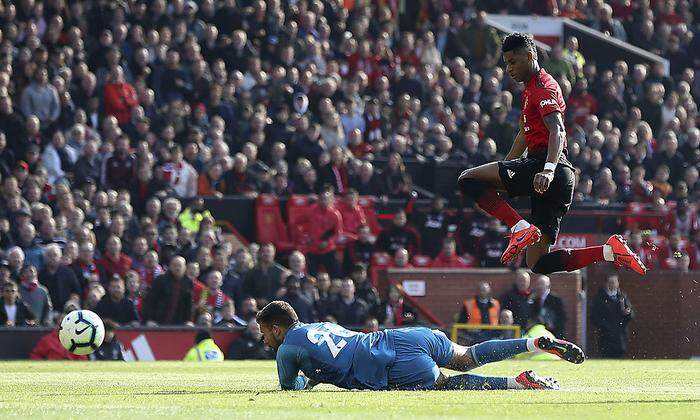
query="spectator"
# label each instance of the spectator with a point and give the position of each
(448, 257)
(346, 309)
(363, 288)
(492, 245)
(211, 296)
(14, 312)
(301, 304)
(335, 172)
(85, 267)
(134, 291)
(211, 182)
(111, 348)
(35, 295)
(610, 314)
(115, 305)
(398, 235)
(250, 345)
(394, 312)
(548, 308)
(204, 350)
(180, 176)
(434, 227)
(40, 99)
(50, 347)
(352, 214)
(119, 96)
(264, 280)
(606, 23)
(58, 158)
(169, 302)
(60, 281)
(482, 309)
(113, 261)
(29, 244)
(120, 169)
(228, 317)
(558, 66)
(366, 182)
(517, 301)
(482, 42)
(323, 224)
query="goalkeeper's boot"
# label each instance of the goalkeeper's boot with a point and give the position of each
(561, 348)
(530, 380)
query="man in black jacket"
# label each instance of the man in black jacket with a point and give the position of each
(115, 305)
(58, 278)
(518, 299)
(346, 308)
(303, 307)
(169, 301)
(547, 308)
(364, 289)
(611, 313)
(249, 345)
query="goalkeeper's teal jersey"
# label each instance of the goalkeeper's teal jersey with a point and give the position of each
(328, 353)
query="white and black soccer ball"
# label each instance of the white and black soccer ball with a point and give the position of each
(81, 332)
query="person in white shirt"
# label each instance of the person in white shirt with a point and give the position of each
(180, 175)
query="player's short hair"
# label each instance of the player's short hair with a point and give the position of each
(277, 313)
(518, 41)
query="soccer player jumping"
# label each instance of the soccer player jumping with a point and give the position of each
(402, 358)
(545, 174)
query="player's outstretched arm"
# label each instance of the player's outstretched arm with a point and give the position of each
(288, 363)
(519, 145)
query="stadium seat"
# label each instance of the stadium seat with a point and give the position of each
(269, 226)
(297, 208)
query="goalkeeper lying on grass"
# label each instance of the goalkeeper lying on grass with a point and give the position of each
(404, 358)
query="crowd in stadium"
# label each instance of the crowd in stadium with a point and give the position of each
(116, 118)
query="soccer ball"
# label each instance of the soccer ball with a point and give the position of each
(81, 332)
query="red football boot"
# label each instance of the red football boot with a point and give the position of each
(519, 241)
(624, 256)
(530, 380)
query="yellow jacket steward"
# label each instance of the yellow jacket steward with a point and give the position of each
(191, 221)
(205, 351)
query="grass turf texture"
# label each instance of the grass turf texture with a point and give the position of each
(595, 389)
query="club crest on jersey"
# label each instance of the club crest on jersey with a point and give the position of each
(510, 173)
(545, 102)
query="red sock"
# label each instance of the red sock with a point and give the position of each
(582, 257)
(493, 204)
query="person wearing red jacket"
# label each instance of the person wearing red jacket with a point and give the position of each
(119, 96)
(50, 347)
(113, 261)
(448, 258)
(352, 213)
(323, 223)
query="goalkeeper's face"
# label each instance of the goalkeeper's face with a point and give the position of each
(518, 63)
(273, 335)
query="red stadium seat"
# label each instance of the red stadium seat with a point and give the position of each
(269, 226)
(297, 208)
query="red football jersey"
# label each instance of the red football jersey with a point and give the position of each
(542, 96)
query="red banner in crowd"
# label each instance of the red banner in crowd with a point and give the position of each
(147, 345)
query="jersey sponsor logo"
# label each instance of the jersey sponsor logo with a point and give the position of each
(546, 102)
(510, 173)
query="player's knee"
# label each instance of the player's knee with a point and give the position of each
(471, 187)
(549, 263)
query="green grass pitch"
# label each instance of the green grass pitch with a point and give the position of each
(235, 390)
